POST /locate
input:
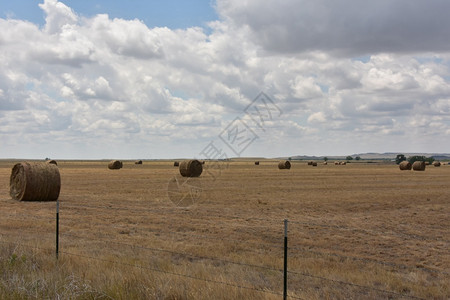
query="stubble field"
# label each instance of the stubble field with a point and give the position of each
(359, 231)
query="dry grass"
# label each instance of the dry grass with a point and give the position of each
(122, 238)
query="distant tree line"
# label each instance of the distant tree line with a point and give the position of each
(400, 157)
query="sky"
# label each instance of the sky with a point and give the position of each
(214, 79)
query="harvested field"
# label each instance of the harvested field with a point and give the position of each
(364, 231)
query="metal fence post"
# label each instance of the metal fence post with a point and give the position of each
(57, 228)
(285, 260)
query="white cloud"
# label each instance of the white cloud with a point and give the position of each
(88, 81)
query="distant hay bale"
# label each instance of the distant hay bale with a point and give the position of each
(191, 168)
(418, 166)
(176, 164)
(343, 163)
(437, 164)
(115, 165)
(138, 162)
(405, 165)
(310, 163)
(203, 162)
(256, 163)
(325, 163)
(35, 182)
(336, 163)
(51, 161)
(314, 164)
(427, 163)
(284, 164)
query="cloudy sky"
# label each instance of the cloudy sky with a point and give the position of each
(207, 79)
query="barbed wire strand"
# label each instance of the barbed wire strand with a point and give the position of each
(173, 273)
(352, 284)
(219, 282)
(369, 260)
(185, 254)
(384, 233)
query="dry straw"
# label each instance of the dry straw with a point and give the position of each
(405, 165)
(115, 165)
(284, 164)
(419, 166)
(35, 182)
(191, 168)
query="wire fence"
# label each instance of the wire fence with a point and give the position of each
(267, 249)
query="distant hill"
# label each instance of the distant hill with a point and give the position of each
(386, 156)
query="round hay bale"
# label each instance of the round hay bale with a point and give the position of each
(314, 164)
(418, 166)
(336, 163)
(35, 182)
(427, 163)
(284, 164)
(138, 162)
(405, 165)
(310, 163)
(191, 168)
(256, 163)
(115, 165)
(176, 164)
(437, 164)
(51, 161)
(325, 163)
(343, 163)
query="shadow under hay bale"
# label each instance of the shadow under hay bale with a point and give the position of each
(405, 165)
(35, 182)
(418, 166)
(284, 165)
(115, 165)
(191, 168)
(51, 161)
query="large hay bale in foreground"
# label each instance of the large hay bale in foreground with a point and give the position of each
(418, 166)
(115, 165)
(436, 164)
(284, 164)
(405, 165)
(35, 182)
(191, 168)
